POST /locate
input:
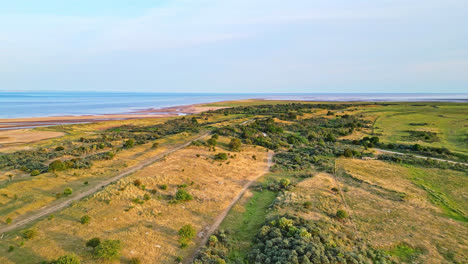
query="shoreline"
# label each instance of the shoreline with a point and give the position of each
(33, 122)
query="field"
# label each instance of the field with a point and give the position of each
(327, 186)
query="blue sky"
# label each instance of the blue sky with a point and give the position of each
(270, 46)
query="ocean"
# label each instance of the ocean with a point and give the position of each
(52, 103)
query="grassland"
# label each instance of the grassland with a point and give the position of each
(412, 213)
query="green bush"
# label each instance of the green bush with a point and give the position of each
(341, 214)
(129, 144)
(93, 242)
(67, 259)
(307, 204)
(348, 153)
(108, 250)
(67, 191)
(59, 148)
(155, 145)
(221, 156)
(284, 183)
(183, 195)
(85, 219)
(35, 173)
(187, 232)
(57, 165)
(235, 144)
(163, 187)
(11, 248)
(212, 142)
(135, 261)
(8, 221)
(146, 197)
(30, 233)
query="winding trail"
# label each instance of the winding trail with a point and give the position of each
(421, 157)
(56, 207)
(219, 219)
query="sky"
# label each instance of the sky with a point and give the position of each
(235, 46)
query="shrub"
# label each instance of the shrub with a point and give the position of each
(59, 148)
(11, 248)
(221, 156)
(284, 183)
(235, 144)
(211, 142)
(307, 204)
(341, 214)
(67, 259)
(183, 195)
(57, 165)
(215, 136)
(163, 187)
(348, 153)
(8, 221)
(137, 183)
(108, 250)
(155, 145)
(35, 173)
(85, 219)
(135, 261)
(129, 144)
(30, 233)
(187, 232)
(93, 242)
(146, 197)
(67, 191)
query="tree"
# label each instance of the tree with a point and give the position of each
(183, 195)
(108, 250)
(67, 259)
(85, 219)
(235, 144)
(129, 144)
(57, 165)
(93, 242)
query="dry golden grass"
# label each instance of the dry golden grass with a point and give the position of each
(383, 221)
(149, 230)
(9, 139)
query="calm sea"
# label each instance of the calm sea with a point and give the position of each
(36, 104)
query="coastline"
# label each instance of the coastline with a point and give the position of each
(32, 122)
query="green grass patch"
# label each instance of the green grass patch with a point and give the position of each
(405, 253)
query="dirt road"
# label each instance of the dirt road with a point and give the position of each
(54, 208)
(219, 219)
(421, 157)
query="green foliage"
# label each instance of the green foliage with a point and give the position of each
(59, 148)
(284, 183)
(235, 144)
(108, 250)
(212, 142)
(8, 221)
(155, 145)
(35, 172)
(221, 156)
(67, 259)
(85, 219)
(30, 233)
(135, 261)
(405, 252)
(67, 191)
(57, 165)
(11, 248)
(146, 197)
(290, 239)
(341, 214)
(348, 153)
(93, 242)
(163, 186)
(129, 144)
(307, 204)
(186, 233)
(183, 195)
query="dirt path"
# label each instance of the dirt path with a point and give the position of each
(78, 196)
(219, 219)
(421, 157)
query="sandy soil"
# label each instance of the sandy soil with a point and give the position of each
(10, 138)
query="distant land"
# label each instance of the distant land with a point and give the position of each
(58, 103)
